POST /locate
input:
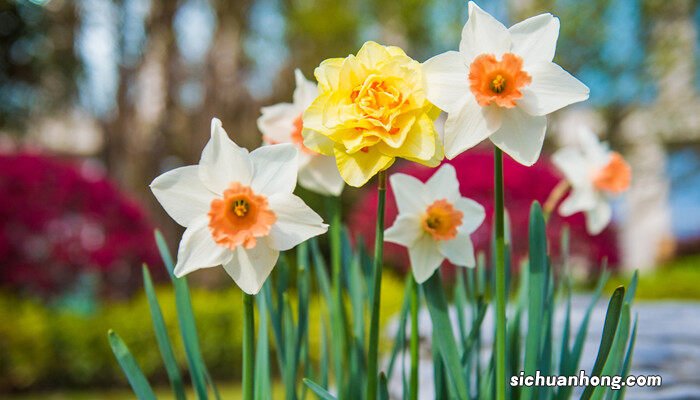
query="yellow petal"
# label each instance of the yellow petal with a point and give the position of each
(317, 142)
(327, 74)
(357, 168)
(420, 142)
(373, 54)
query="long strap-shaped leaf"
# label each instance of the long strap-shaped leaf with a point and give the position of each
(166, 348)
(617, 351)
(320, 392)
(612, 318)
(188, 329)
(139, 383)
(537, 281)
(444, 337)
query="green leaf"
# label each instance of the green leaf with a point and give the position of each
(188, 329)
(617, 351)
(445, 341)
(166, 348)
(383, 390)
(263, 383)
(139, 383)
(320, 392)
(627, 365)
(612, 318)
(537, 289)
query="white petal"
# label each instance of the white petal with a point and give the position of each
(598, 217)
(443, 184)
(197, 249)
(425, 258)
(277, 122)
(405, 230)
(483, 34)
(580, 199)
(409, 193)
(295, 223)
(573, 165)
(447, 80)
(460, 250)
(250, 268)
(305, 92)
(521, 136)
(274, 169)
(321, 175)
(223, 162)
(597, 154)
(552, 88)
(535, 39)
(473, 214)
(470, 125)
(182, 194)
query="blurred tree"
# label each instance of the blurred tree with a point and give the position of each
(38, 67)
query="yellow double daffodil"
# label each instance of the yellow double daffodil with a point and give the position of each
(372, 108)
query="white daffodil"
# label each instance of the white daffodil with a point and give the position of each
(282, 123)
(595, 174)
(434, 221)
(238, 209)
(501, 84)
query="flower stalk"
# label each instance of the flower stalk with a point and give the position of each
(554, 197)
(415, 341)
(248, 345)
(500, 277)
(372, 367)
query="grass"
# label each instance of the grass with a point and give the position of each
(227, 391)
(677, 280)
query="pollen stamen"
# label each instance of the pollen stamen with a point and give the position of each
(498, 84)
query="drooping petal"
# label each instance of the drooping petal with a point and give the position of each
(596, 153)
(357, 168)
(521, 136)
(305, 91)
(573, 165)
(182, 194)
(469, 126)
(296, 222)
(598, 217)
(473, 214)
(460, 250)
(535, 39)
(447, 80)
(250, 268)
(405, 231)
(443, 184)
(277, 122)
(483, 34)
(551, 88)
(579, 199)
(425, 258)
(318, 142)
(321, 175)
(197, 249)
(223, 162)
(275, 169)
(409, 193)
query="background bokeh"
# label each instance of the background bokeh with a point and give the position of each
(98, 97)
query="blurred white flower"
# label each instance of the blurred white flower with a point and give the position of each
(595, 174)
(282, 123)
(238, 209)
(501, 84)
(434, 221)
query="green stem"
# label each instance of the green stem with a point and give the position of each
(372, 368)
(500, 278)
(338, 314)
(415, 341)
(248, 345)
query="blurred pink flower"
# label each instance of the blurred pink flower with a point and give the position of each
(60, 220)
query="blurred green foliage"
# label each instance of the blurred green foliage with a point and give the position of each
(677, 280)
(47, 347)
